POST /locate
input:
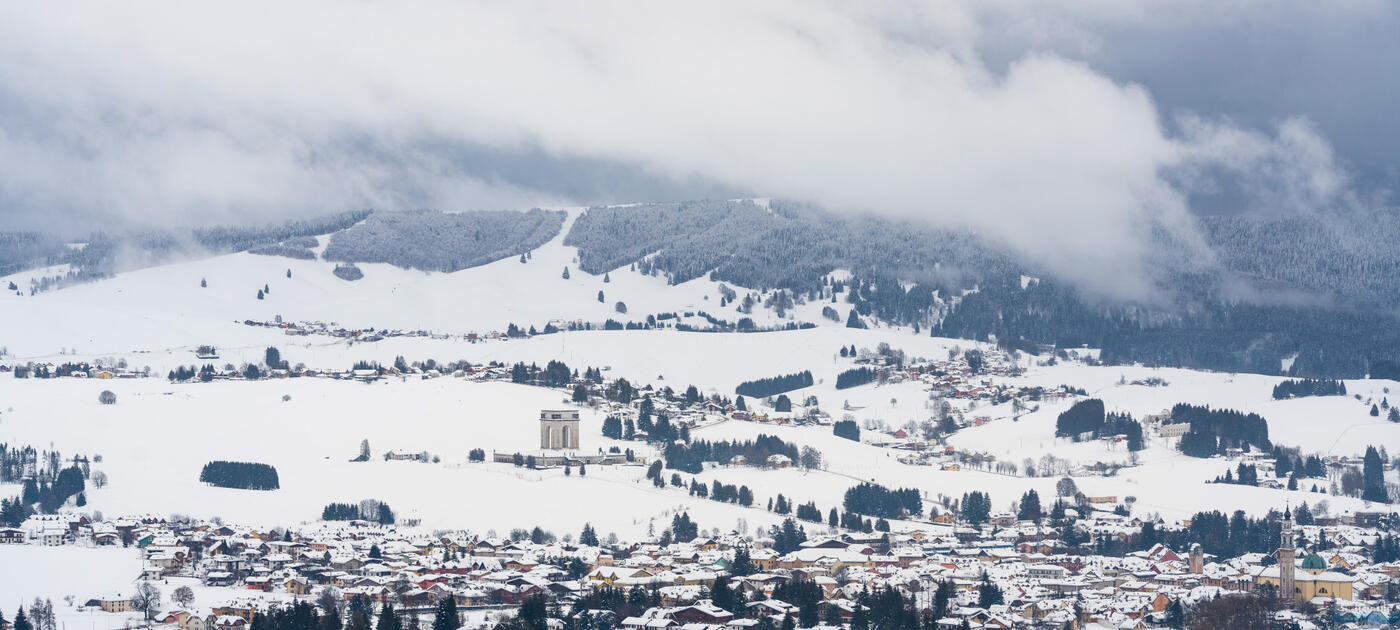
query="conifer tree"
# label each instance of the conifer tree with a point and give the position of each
(853, 321)
(743, 563)
(389, 618)
(1372, 477)
(445, 617)
(1030, 507)
(988, 594)
(330, 620)
(859, 619)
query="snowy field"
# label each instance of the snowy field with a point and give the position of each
(27, 572)
(154, 441)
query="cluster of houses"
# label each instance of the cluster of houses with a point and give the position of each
(332, 329)
(100, 371)
(1042, 583)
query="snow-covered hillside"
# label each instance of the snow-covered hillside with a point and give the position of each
(162, 307)
(159, 434)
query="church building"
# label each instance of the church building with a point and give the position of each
(1313, 582)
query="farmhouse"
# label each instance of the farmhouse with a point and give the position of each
(112, 603)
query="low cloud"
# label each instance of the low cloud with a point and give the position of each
(210, 112)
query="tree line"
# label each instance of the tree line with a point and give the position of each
(691, 457)
(554, 374)
(1215, 430)
(1087, 417)
(1309, 387)
(774, 385)
(854, 377)
(241, 475)
(371, 510)
(877, 500)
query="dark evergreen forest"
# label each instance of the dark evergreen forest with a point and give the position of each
(242, 475)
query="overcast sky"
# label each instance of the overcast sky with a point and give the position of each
(1094, 118)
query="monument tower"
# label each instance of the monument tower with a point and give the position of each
(559, 429)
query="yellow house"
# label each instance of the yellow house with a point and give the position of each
(764, 559)
(609, 575)
(116, 604)
(1341, 560)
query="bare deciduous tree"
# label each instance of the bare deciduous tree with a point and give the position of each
(328, 599)
(184, 596)
(146, 599)
(41, 614)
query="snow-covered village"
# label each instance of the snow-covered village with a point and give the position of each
(893, 315)
(573, 496)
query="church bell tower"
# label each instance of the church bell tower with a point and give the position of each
(1285, 561)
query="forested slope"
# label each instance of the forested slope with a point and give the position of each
(104, 253)
(786, 246)
(1355, 258)
(439, 241)
(957, 285)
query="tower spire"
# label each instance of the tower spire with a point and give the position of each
(1285, 560)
